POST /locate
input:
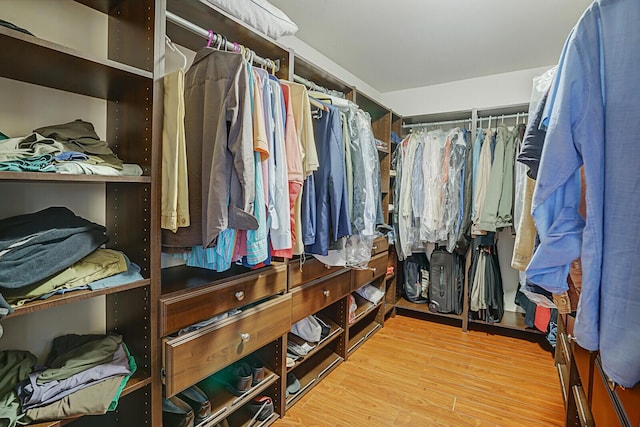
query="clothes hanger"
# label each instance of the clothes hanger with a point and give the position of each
(174, 48)
(318, 104)
(210, 39)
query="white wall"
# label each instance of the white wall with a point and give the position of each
(317, 58)
(481, 92)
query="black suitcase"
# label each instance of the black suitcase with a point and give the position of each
(447, 282)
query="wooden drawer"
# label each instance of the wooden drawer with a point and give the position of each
(582, 407)
(380, 244)
(602, 405)
(630, 402)
(192, 357)
(584, 361)
(195, 305)
(315, 296)
(312, 269)
(565, 348)
(377, 268)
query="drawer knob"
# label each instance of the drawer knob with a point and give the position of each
(245, 337)
(326, 292)
(373, 269)
(374, 247)
(328, 267)
(571, 338)
(239, 295)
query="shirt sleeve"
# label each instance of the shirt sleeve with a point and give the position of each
(575, 136)
(240, 144)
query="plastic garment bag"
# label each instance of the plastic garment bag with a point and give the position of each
(355, 250)
(453, 186)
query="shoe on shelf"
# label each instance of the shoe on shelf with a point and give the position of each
(240, 378)
(176, 413)
(261, 407)
(293, 384)
(198, 401)
(257, 371)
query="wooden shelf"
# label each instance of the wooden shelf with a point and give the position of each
(242, 419)
(374, 108)
(307, 70)
(361, 337)
(137, 381)
(224, 403)
(563, 374)
(424, 308)
(67, 69)
(61, 177)
(56, 300)
(207, 16)
(510, 320)
(388, 309)
(183, 278)
(364, 307)
(103, 6)
(323, 363)
(335, 333)
(437, 117)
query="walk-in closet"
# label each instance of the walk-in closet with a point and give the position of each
(248, 213)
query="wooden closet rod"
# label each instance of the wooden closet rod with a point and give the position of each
(311, 85)
(187, 25)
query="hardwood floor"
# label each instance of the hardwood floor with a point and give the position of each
(419, 373)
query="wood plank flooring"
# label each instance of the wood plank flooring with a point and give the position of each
(419, 373)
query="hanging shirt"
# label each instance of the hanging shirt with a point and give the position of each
(493, 193)
(295, 174)
(331, 201)
(304, 126)
(257, 246)
(175, 190)
(280, 232)
(219, 149)
(593, 121)
(309, 158)
(481, 178)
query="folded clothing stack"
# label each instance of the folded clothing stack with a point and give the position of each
(83, 375)
(68, 148)
(55, 251)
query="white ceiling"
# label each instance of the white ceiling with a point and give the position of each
(402, 44)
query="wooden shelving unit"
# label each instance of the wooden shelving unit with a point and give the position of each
(124, 79)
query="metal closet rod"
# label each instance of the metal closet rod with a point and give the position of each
(311, 85)
(504, 116)
(444, 122)
(188, 25)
